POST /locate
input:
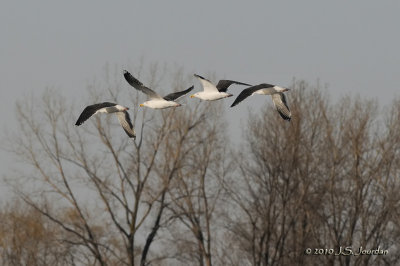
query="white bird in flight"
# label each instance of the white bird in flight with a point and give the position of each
(107, 107)
(211, 92)
(156, 101)
(276, 92)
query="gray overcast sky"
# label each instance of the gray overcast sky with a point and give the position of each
(350, 45)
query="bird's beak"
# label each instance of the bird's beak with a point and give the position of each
(141, 105)
(192, 96)
(126, 109)
(286, 89)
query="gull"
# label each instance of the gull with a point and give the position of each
(211, 92)
(107, 107)
(276, 92)
(156, 101)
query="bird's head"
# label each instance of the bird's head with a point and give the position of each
(196, 95)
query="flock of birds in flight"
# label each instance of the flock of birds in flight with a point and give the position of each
(210, 93)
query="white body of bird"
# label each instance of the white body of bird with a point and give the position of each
(211, 96)
(159, 104)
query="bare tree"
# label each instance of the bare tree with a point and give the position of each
(180, 194)
(194, 194)
(104, 196)
(319, 182)
(360, 178)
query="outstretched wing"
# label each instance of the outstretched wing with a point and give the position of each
(281, 106)
(175, 95)
(125, 121)
(246, 93)
(223, 84)
(139, 86)
(91, 110)
(207, 85)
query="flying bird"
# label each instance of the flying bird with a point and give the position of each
(211, 92)
(276, 92)
(156, 101)
(107, 107)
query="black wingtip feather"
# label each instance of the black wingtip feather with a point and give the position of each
(287, 118)
(126, 74)
(203, 78)
(80, 121)
(198, 76)
(82, 118)
(134, 82)
(175, 95)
